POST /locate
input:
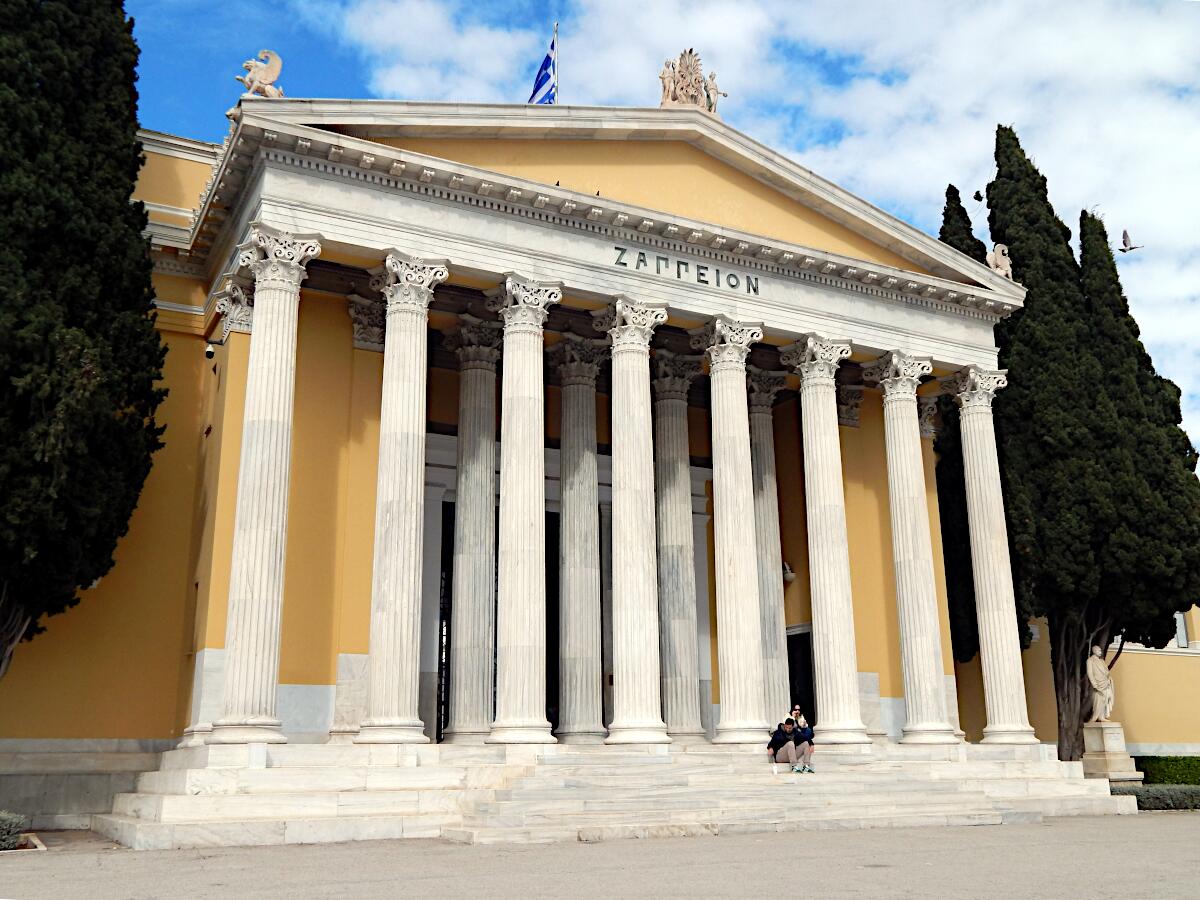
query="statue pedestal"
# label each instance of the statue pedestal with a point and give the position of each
(1104, 753)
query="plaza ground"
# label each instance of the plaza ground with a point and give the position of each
(1148, 855)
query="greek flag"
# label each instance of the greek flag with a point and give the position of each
(545, 85)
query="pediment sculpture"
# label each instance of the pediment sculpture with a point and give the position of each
(684, 84)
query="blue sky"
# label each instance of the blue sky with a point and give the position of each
(890, 100)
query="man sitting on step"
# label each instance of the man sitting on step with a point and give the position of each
(782, 746)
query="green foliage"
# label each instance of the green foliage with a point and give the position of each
(1161, 796)
(956, 228)
(78, 350)
(11, 828)
(1149, 544)
(1169, 769)
(1103, 509)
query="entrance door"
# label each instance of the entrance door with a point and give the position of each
(800, 674)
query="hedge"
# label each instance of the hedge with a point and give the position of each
(11, 827)
(1162, 796)
(1169, 769)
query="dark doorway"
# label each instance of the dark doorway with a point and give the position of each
(800, 674)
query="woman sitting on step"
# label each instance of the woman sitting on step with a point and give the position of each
(802, 736)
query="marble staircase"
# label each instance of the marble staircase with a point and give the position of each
(277, 794)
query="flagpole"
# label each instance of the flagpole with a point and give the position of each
(557, 76)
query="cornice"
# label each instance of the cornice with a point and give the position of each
(179, 147)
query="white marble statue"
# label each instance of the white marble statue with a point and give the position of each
(684, 84)
(999, 261)
(1100, 678)
(262, 73)
(713, 92)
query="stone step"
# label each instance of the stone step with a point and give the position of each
(141, 835)
(625, 831)
(310, 804)
(325, 778)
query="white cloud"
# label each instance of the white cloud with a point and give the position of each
(891, 100)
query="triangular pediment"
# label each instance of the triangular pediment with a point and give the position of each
(680, 161)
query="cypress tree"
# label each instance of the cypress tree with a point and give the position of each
(1150, 548)
(1048, 419)
(951, 485)
(78, 348)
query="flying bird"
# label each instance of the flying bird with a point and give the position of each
(979, 196)
(1127, 244)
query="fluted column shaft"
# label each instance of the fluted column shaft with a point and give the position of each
(473, 598)
(252, 633)
(773, 620)
(927, 718)
(676, 549)
(581, 701)
(739, 634)
(521, 604)
(835, 660)
(637, 701)
(394, 663)
(995, 600)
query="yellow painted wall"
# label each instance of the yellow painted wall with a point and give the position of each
(171, 181)
(667, 175)
(868, 523)
(112, 666)
(793, 517)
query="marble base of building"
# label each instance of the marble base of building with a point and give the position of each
(1105, 755)
(257, 794)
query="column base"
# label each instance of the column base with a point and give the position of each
(930, 734)
(518, 733)
(637, 734)
(196, 736)
(844, 733)
(390, 731)
(1009, 734)
(251, 730)
(688, 738)
(476, 736)
(580, 737)
(754, 733)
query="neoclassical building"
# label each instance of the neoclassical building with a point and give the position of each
(545, 426)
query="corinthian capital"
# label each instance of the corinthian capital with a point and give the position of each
(277, 258)
(815, 356)
(521, 302)
(407, 282)
(673, 374)
(476, 343)
(726, 341)
(763, 388)
(236, 309)
(977, 387)
(578, 359)
(898, 373)
(367, 319)
(628, 323)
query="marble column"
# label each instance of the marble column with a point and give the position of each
(739, 634)
(995, 601)
(637, 702)
(777, 699)
(581, 701)
(835, 662)
(394, 662)
(676, 546)
(521, 604)
(473, 597)
(927, 717)
(276, 259)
